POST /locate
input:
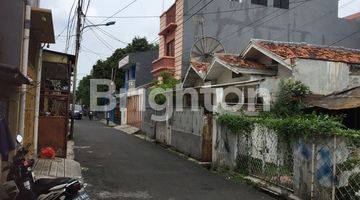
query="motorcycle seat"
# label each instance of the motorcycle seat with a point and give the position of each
(44, 185)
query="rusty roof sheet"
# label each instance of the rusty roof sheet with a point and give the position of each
(353, 16)
(289, 50)
(346, 99)
(237, 61)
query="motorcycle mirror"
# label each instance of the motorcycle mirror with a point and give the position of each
(19, 139)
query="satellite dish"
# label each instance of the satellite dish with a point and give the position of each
(205, 48)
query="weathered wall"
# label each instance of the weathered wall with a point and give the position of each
(143, 61)
(226, 77)
(179, 32)
(11, 32)
(162, 132)
(228, 146)
(313, 22)
(11, 96)
(186, 132)
(322, 77)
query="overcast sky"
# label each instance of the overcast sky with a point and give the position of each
(125, 29)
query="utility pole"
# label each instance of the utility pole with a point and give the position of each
(24, 67)
(77, 50)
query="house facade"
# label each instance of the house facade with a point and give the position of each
(234, 23)
(137, 68)
(327, 71)
(20, 64)
(171, 41)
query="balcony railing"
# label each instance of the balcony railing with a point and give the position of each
(165, 63)
(170, 15)
(170, 21)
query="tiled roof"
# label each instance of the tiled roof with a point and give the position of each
(288, 50)
(200, 67)
(353, 16)
(237, 61)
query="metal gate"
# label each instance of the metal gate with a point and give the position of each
(133, 111)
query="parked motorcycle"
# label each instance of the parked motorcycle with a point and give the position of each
(91, 115)
(41, 189)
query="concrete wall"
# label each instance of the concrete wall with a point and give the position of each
(8, 94)
(187, 131)
(226, 77)
(228, 146)
(313, 22)
(11, 32)
(143, 61)
(162, 132)
(323, 77)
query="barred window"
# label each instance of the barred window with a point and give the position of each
(355, 70)
(259, 2)
(281, 4)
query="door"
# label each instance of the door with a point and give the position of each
(133, 111)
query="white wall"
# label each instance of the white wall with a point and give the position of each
(323, 77)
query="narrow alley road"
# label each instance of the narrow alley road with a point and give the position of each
(121, 166)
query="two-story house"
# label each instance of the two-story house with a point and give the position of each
(171, 39)
(137, 68)
(20, 50)
(234, 23)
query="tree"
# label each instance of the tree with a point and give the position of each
(103, 68)
(83, 92)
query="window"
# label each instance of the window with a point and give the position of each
(235, 75)
(170, 48)
(354, 70)
(281, 4)
(259, 2)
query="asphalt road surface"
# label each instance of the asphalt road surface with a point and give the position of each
(120, 166)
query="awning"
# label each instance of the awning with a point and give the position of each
(346, 99)
(124, 62)
(12, 75)
(42, 25)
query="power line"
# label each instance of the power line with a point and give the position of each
(126, 17)
(346, 37)
(193, 6)
(107, 45)
(107, 33)
(90, 51)
(314, 20)
(252, 24)
(68, 21)
(122, 9)
(203, 7)
(87, 7)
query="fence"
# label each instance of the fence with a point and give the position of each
(148, 125)
(187, 131)
(326, 167)
(334, 168)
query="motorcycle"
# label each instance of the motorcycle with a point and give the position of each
(91, 115)
(20, 171)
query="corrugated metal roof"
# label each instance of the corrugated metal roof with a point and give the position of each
(346, 99)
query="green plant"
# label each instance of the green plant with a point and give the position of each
(291, 97)
(168, 82)
(238, 124)
(287, 119)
